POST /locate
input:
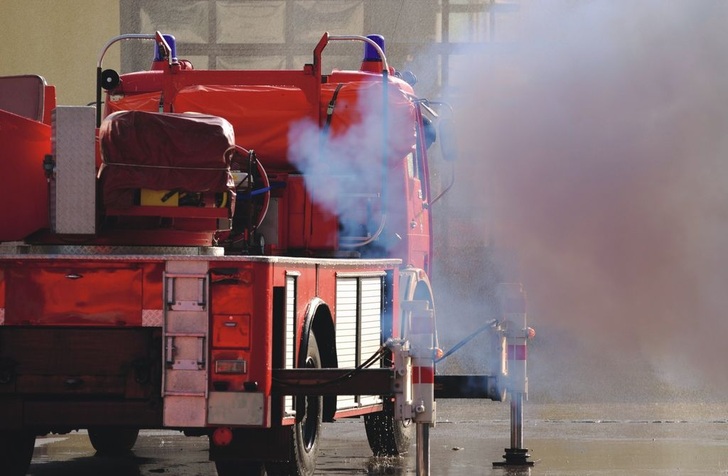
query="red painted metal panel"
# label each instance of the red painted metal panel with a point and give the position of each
(2, 290)
(152, 287)
(231, 330)
(243, 290)
(517, 352)
(423, 375)
(73, 294)
(24, 144)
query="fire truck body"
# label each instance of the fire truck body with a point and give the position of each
(76, 318)
(219, 225)
(118, 343)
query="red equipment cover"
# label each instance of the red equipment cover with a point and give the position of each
(134, 102)
(185, 152)
(23, 186)
(263, 115)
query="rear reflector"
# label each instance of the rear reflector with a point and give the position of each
(222, 436)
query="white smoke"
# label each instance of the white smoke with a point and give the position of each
(598, 150)
(348, 165)
(322, 155)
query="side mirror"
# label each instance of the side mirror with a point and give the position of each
(448, 139)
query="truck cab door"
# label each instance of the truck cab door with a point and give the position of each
(419, 239)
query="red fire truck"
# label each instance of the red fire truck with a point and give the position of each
(237, 254)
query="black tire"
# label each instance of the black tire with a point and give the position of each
(16, 452)
(113, 441)
(387, 436)
(239, 468)
(306, 433)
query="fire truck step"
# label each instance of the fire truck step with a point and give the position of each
(185, 331)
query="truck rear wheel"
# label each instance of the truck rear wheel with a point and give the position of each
(387, 436)
(112, 440)
(306, 432)
(16, 452)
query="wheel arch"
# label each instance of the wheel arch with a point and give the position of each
(319, 320)
(415, 285)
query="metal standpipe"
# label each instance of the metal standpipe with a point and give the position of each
(423, 449)
(516, 455)
(420, 332)
(513, 306)
(517, 421)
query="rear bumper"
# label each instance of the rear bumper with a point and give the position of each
(46, 416)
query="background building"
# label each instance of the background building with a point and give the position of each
(61, 40)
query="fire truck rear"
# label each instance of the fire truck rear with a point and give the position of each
(241, 255)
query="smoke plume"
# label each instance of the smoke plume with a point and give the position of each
(597, 151)
(347, 164)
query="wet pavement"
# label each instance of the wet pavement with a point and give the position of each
(564, 439)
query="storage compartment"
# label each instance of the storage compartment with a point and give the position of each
(88, 294)
(39, 362)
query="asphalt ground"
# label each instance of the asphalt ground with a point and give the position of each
(641, 439)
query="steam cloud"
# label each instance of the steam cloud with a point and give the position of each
(344, 169)
(602, 142)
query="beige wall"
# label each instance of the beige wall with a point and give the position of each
(59, 40)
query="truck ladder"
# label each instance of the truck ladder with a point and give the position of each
(185, 334)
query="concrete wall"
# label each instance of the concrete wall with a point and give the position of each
(59, 40)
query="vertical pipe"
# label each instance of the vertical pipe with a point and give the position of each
(420, 332)
(423, 449)
(517, 421)
(385, 145)
(513, 307)
(98, 96)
